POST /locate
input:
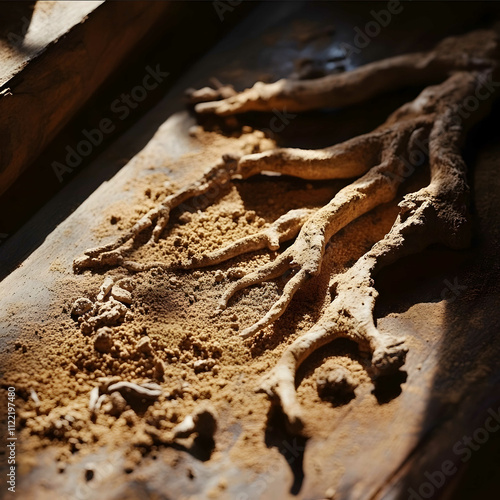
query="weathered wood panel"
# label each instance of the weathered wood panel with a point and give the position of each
(67, 52)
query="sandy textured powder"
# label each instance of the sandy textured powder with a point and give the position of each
(202, 356)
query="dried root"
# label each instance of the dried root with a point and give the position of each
(112, 254)
(435, 214)
(473, 51)
(458, 68)
(203, 422)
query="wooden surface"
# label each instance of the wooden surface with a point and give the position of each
(383, 444)
(48, 73)
(29, 28)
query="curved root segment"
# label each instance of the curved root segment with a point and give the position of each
(283, 229)
(113, 253)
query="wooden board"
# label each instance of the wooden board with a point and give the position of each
(53, 62)
(450, 384)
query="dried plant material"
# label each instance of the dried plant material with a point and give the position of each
(121, 294)
(142, 391)
(105, 289)
(437, 213)
(203, 421)
(93, 399)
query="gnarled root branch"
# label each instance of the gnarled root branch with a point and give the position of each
(473, 51)
(434, 214)
(304, 257)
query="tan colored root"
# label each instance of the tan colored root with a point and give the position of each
(283, 229)
(342, 161)
(435, 214)
(473, 51)
(305, 256)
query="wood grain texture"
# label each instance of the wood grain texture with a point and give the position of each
(68, 52)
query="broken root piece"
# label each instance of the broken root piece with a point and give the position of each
(118, 393)
(203, 421)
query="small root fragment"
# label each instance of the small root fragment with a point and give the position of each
(93, 398)
(204, 94)
(117, 394)
(107, 310)
(147, 390)
(203, 421)
(120, 294)
(35, 398)
(105, 289)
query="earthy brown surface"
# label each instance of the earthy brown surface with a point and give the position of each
(360, 448)
(434, 125)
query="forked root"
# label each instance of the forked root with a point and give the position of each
(435, 214)
(283, 229)
(304, 257)
(113, 253)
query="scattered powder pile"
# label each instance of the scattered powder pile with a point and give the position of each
(138, 361)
